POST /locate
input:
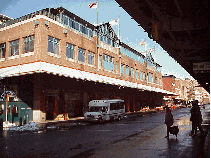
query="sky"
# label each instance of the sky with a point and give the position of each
(130, 32)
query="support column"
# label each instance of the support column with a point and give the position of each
(127, 104)
(134, 103)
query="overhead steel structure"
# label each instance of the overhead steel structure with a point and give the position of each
(182, 28)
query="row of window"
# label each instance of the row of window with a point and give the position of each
(132, 55)
(142, 76)
(77, 26)
(53, 47)
(108, 62)
(28, 46)
(107, 40)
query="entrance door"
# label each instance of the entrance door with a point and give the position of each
(50, 108)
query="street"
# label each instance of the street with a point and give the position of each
(135, 136)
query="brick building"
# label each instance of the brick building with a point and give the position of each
(55, 62)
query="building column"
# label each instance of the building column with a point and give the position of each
(134, 103)
(127, 104)
(38, 113)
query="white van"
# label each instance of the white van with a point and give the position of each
(104, 110)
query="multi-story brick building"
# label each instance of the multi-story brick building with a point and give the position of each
(185, 90)
(56, 62)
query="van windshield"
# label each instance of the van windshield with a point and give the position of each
(96, 109)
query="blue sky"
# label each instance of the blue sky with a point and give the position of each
(130, 32)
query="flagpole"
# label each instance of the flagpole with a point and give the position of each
(98, 56)
(118, 27)
(97, 10)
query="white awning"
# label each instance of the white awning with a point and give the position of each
(41, 67)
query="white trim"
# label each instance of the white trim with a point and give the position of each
(27, 54)
(54, 55)
(2, 59)
(13, 57)
(41, 67)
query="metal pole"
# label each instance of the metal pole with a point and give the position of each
(5, 97)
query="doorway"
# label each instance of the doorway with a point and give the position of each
(50, 108)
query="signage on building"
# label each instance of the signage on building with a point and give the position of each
(202, 66)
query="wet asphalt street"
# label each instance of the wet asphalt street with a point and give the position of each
(136, 136)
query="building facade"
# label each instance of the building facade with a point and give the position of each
(55, 63)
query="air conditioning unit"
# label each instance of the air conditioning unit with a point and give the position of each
(36, 23)
(65, 31)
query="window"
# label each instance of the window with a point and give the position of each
(127, 70)
(155, 80)
(122, 69)
(28, 44)
(100, 61)
(65, 20)
(90, 33)
(91, 58)
(14, 48)
(81, 54)
(150, 77)
(108, 62)
(77, 26)
(136, 73)
(144, 77)
(131, 72)
(2, 50)
(140, 75)
(70, 51)
(53, 45)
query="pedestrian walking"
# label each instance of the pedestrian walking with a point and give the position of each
(196, 118)
(168, 120)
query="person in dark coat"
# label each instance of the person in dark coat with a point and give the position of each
(196, 118)
(168, 120)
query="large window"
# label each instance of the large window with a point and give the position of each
(100, 61)
(14, 48)
(127, 70)
(108, 62)
(150, 77)
(53, 45)
(91, 58)
(140, 75)
(131, 54)
(144, 77)
(122, 69)
(70, 51)
(75, 25)
(81, 54)
(28, 45)
(2, 50)
(136, 73)
(131, 72)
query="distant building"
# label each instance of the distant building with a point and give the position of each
(185, 91)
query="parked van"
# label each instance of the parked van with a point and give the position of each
(104, 110)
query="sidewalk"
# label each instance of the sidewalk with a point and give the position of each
(152, 144)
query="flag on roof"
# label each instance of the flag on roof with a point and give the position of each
(93, 5)
(114, 22)
(142, 43)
